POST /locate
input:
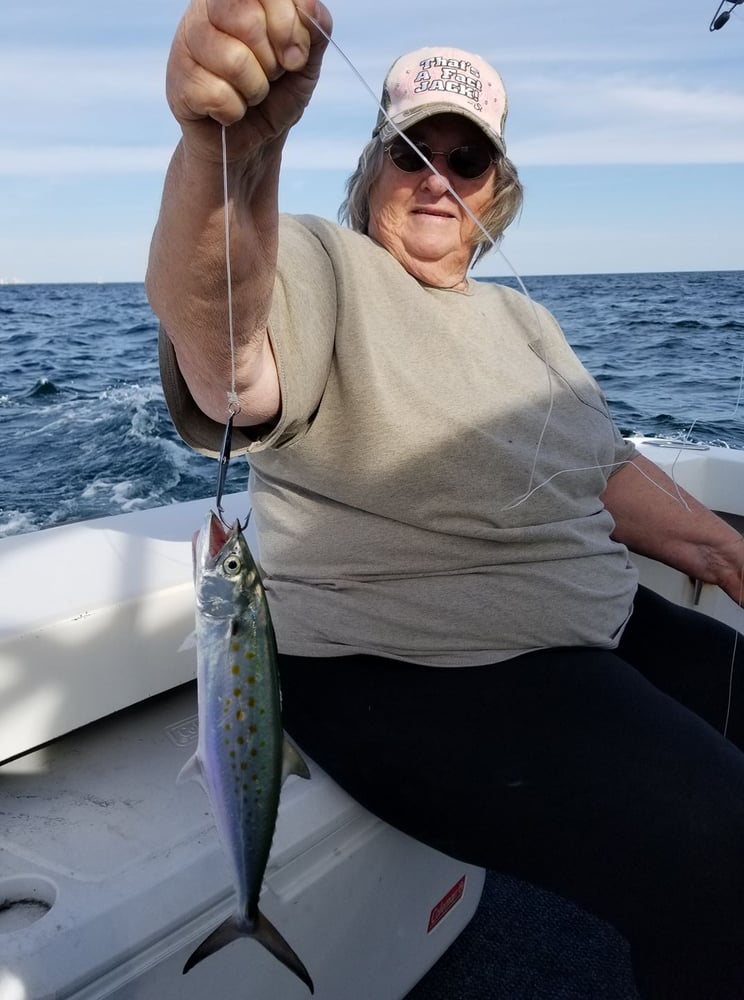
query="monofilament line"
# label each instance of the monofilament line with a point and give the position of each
(233, 405)
(531, 488)
(495, 245)
(733, 657)
(741, 388)
(429, 164)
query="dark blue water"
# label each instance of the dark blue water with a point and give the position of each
(85, 431)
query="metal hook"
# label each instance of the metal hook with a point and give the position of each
(222, 471)
(224, 461)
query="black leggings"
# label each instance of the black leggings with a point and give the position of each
(601, 775)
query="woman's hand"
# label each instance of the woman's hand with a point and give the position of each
(250, 64)
(656, 518)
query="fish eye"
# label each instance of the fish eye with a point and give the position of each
(232, 565)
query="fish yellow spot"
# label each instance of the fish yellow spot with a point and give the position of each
(251, 702)
(228, 726)
(235, 647)
(250, 655)
(243, 766)
(251, 680)
(235, 669)
(240, 741)
(254, 752)
(252, 728)
(240, 715)
(232, 752)
(236, 692)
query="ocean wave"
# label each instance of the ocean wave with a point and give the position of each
(689, 324)
(122, 496)
(43, 387)
(17, 522)
(82, 396)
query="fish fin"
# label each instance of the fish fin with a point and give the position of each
(227, 932)
(292, 762)
(266, 934)
(188, 643)
(262, 931)
(191, 771)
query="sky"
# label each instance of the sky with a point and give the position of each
(626, 124)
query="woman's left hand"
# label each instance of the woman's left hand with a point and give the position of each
(655, 517)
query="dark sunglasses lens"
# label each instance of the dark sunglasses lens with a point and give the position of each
(469, 161)
(406, 158)
(465, 161)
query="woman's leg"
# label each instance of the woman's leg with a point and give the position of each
(697, 660)
(564, 767)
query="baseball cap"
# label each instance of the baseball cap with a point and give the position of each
(435, 81)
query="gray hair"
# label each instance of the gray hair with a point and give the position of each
(504, 207)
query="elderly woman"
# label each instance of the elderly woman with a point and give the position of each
(445, 507)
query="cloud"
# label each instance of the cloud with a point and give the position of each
(102, 110)
(65, 161)
(607, 146)
(617, 118)
(706, 105)
(43, 77)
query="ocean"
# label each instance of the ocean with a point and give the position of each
(85, 431)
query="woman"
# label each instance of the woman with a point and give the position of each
(445, 506)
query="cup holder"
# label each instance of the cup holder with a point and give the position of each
(24, 899)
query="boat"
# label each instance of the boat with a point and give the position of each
(110, 874)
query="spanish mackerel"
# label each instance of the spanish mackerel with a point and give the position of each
(242, 757)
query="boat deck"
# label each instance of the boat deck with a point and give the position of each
(527, 944)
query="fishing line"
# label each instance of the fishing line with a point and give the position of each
(531, 489)
(741, 389)
(677, 497)
(495, 245)
(233, 403)
(733, 662)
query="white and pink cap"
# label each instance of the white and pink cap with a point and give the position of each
(435, 81)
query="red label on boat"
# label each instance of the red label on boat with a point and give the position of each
(446, 903)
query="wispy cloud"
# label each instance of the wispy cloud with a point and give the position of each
(66, 161)
(53, 75)
(590, 83)
(607, 146)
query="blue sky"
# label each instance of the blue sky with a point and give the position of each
(626, 123)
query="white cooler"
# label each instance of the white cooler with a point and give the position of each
(110, 875)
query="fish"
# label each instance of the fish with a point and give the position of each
(242, 756)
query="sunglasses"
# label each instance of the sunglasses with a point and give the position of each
(466, 161)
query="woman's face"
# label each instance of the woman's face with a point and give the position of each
(415, 217)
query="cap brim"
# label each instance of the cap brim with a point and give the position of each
(390, 126)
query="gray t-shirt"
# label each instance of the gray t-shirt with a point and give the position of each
(430, 491)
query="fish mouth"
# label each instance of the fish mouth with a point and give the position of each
(218, 535)
(207, 543)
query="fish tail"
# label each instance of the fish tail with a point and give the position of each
(262, 931)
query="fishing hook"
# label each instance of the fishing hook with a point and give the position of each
(224, 461)
(223, 464)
